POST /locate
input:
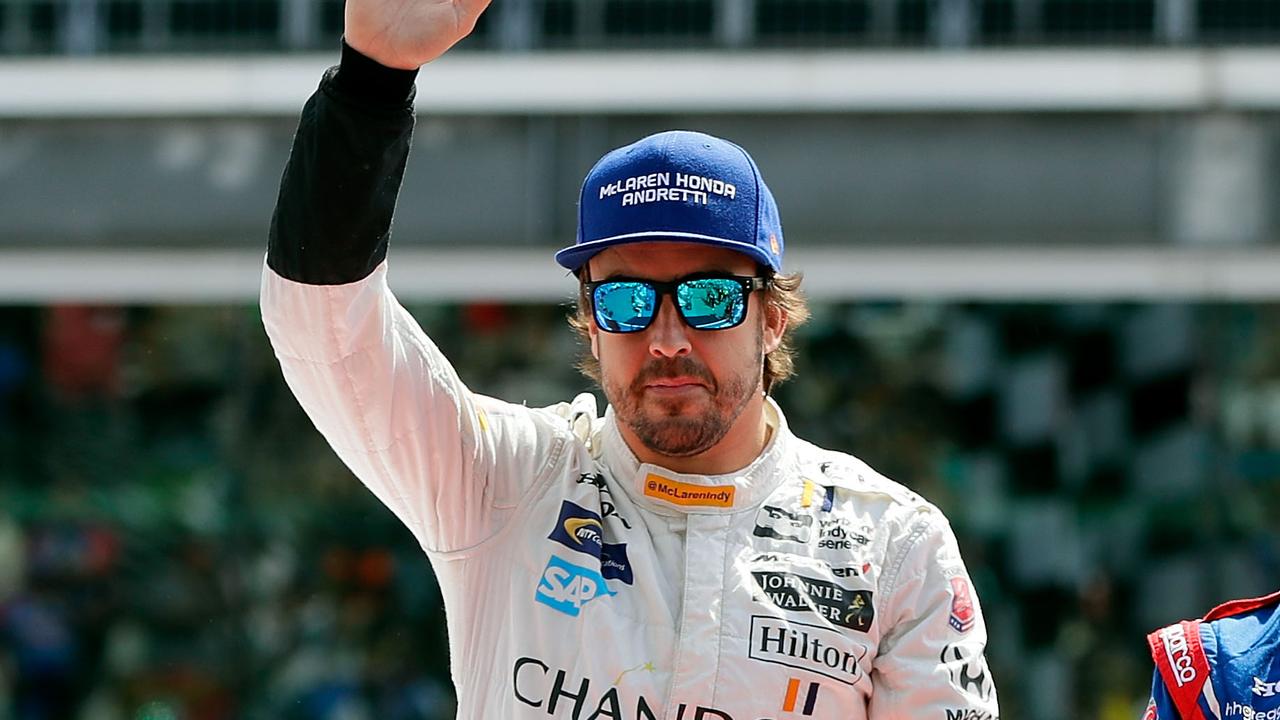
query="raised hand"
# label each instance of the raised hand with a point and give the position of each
(409, 33)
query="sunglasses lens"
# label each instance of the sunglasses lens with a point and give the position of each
(623, 307)
(711, 303)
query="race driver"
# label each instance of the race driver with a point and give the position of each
(1225, 666)
(683, 557)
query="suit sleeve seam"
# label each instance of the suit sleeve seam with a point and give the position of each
(362, 421)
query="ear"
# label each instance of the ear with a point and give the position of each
(594, 333)
(775, 326)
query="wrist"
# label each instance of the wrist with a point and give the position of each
(361, 77)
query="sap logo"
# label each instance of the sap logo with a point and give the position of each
(1262, 688)
(968, 669)
(779, 524)
(581, 530)
(970, 714)
(566, 587)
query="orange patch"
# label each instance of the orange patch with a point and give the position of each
(678, 493)
(793, 689)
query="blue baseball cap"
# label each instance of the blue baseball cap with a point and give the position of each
(677, 186)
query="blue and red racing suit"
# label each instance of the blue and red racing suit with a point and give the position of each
(1224, 667)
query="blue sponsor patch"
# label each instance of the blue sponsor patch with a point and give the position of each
(581, 530)
(567, 587)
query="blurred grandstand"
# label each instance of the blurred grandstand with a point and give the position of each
(1040, 236)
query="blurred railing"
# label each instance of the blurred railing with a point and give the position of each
(90, 27)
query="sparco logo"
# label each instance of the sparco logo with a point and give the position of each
(807, 647)
(1179, 654)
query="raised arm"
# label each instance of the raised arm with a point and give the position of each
(451, 464)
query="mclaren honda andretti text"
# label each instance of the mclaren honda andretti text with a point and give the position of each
(558, 694)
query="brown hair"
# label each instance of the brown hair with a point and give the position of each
(783, 294)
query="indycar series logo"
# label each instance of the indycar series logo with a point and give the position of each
(581, 530)
(779, 524)
(836, 534)
(566, 587)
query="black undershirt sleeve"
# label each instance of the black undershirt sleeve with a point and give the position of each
(333, 215)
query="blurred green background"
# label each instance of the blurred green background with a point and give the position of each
(178, 541)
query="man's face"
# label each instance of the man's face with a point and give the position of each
(680, 390)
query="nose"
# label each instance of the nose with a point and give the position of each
(668, 335)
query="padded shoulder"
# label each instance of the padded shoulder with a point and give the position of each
(1180, 660)
(1242, 607)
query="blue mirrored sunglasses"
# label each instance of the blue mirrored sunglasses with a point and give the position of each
(719, 302)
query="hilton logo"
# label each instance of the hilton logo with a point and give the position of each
(807, 647)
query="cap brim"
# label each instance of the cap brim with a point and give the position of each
(575, 256)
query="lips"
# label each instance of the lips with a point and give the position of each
(673, 375)
(675, 383)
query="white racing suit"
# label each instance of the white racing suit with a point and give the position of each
(579, 583)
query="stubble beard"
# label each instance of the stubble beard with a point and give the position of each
(663, 426)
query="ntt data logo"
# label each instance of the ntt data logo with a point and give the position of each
(582, 530)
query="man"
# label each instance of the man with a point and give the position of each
(685, 557)
(1224, 667)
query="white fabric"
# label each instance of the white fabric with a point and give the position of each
(536, 519)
